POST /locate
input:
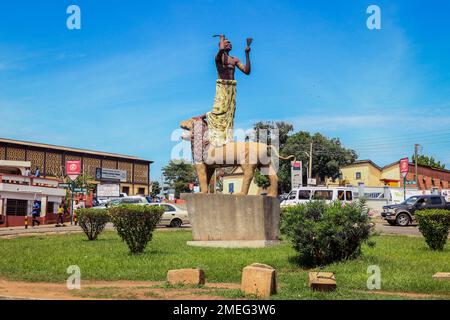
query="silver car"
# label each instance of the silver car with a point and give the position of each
(174, 216)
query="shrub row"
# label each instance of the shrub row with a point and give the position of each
(134, 224)
(434, 226)
(325, 233)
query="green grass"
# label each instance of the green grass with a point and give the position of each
(407, 265)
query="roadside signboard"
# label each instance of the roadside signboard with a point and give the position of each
(404, 167)
(73, 169)
(108, 190)
(296, 174)
(312, 182)
(64, 185)
(110, 174)
(80, 190)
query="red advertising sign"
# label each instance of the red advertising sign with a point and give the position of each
(404, 167)
(297, 165)
(73, 169)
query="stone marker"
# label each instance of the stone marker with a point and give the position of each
(322, 281)
(442, 276)
(259, 280)
(186, 277)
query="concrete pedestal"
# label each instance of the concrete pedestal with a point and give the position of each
(232, 221)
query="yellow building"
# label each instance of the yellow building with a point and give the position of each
(367, 172)
(232, 183)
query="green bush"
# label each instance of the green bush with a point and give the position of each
(435, 226)
(135, 224)
(325, 233)
(92, 221)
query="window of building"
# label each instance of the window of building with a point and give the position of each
(16, 207)
(141, 191)
(358, 176)
(231, 188)
(50, 207)
(323, 195)
(126, 190)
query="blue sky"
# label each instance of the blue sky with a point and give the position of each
(137, 68)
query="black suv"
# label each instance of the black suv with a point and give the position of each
(403, 214)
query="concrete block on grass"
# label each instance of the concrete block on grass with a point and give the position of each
(259, 280)
(442, 276)
(193, 277)
(322, 281)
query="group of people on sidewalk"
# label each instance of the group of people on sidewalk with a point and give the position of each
(36, 213)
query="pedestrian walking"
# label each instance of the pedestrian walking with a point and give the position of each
(37, 172)
(36, 213)
(61, 215)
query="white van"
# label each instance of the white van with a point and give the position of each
(305, 194)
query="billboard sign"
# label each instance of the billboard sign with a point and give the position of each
(110, 174)
(404, 167)
(73, 169)
(296, 174)
(108, 190)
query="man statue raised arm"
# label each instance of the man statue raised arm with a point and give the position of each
(221, 118)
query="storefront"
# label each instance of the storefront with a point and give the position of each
(18, 192)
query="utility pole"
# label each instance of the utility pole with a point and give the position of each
(416, 151)
(310, 160)
(309, 169)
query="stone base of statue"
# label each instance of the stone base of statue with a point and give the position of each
(233, 221)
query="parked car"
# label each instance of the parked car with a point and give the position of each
(138, 200)
(174, 216)
(152, 199)
(403, 214)
(306, 194)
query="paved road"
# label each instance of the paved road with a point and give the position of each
(380, 226)
(51, 229)
(385, 228)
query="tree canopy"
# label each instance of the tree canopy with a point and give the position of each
(423, 160)
(328, 154)
(156, 189)
(178, 175)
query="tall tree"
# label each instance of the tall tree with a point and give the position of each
(328, 156)
(156, 189)
(428, 161)
(178, 175)
(284, 129)
(263, 133)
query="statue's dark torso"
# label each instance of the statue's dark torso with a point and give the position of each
(226, 67)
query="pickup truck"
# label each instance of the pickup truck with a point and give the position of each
(403, 214)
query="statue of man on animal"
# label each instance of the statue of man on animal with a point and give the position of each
(212, 136)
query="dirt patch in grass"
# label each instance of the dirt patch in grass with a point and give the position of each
(117, 290)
